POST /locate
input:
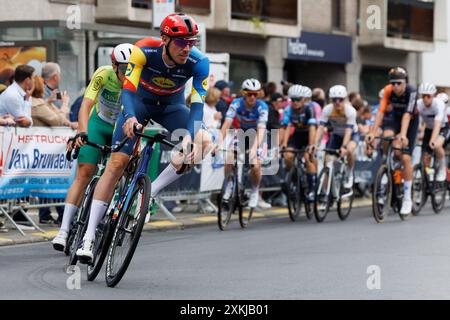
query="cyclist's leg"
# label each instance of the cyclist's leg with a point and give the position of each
(104, 190)
(176, 117)
(440, 157)
(426, 150)
(99, 131)
(407, 165)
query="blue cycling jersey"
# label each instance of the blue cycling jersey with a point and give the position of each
(300, 119)
(248, 118)
(155, 83)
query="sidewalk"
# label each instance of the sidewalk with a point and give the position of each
(188, 219)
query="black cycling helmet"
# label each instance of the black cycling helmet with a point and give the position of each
(398, 73)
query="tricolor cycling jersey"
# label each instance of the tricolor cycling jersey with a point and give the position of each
(248, 118)
(339, 120)
(433, 113)
(156, 83)
(105, 90)
(300, 119)
(406, 103)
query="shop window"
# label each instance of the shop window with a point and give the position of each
(181, 5)
(275, 11)
(242, 68)
(411, 19)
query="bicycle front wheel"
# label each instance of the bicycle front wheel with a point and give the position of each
(323, 195)
(345, 203)
(293, 194)
(80, 225)
(381, 196)
(128, 231)
(103, 235)
(226, 207)
(419, 192)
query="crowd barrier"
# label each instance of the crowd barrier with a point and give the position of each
(35, 174)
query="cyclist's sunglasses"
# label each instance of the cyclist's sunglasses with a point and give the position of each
(122, 68)
(251, 94)
(296, 99)
(426, 96)
(337, 100)
(397, 83)
(182, 43)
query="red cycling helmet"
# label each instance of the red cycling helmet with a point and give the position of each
(179, 25)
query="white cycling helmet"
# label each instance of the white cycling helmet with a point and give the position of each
(443, 96)
(427, 88)
(251, 85)
(298, 91)
(338, 92)
(121, 53)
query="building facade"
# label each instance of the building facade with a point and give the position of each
(312, 42)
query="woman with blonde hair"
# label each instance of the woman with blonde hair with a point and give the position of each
(45, 113)
(211, 117)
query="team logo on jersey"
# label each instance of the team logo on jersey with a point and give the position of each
(164, 82)
(205, 83)
(130, 69)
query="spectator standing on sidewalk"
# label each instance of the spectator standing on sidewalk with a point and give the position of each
(44, 112)
(15, 101)
(222, 105)
(51, 72)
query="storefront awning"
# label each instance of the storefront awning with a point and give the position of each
(320, 47)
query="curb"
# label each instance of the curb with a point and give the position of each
(166, 225)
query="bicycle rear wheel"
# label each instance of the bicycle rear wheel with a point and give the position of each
(381, 196)
(80, 225)
(293, 194)
(323, 196)
(419, 191)
(128, 232)
(345, 203)
(226, 208)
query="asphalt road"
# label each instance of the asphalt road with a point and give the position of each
(273, 259)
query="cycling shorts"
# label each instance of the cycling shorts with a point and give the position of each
(335, 141)
(171, 116)
(395, 124)
(445, 133)
(100, 132)
(299, 140)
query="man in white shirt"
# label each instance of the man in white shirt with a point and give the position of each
(16, 99)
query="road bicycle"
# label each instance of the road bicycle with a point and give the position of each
(330, 187)
(239, 178)
(296, 186)
(388, 190)
(79, 224)
(426, 185)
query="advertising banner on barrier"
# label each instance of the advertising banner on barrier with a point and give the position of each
(33, 162)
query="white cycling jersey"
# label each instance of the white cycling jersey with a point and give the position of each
(339, 121)
(433, 113)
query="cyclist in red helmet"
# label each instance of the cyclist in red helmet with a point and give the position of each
(154, 89)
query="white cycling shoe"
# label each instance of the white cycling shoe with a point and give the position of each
(406, 207)
(228, 191)
(349, 183)
(59, 242)
(441, 176)
(253, 202)
(85, 254)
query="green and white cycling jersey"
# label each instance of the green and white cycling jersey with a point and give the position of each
(105, 89)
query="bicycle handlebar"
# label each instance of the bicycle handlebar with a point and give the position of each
(73, 155)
